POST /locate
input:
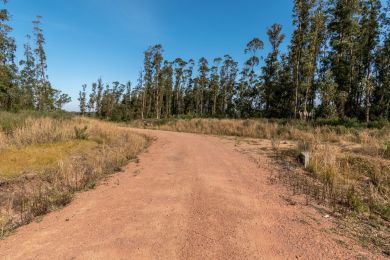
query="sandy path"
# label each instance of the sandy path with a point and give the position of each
(189, 197)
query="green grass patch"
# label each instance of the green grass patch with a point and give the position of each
(33, 159)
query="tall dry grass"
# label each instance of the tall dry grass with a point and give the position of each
(33, 194)
(267, 129)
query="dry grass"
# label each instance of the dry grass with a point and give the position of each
(268, 129)
(3, 141)
(44, 161)
(36, 158)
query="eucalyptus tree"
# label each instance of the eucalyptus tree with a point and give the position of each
(147, 83)
(157, 60)
(215, 89)
(381, 94)
(99, 96)
(8, 70)
(127, 102)
(299, 49)
(327, 88)
(45, 92)
(202, 85)
(40, 50)
(271, 70)
(316, 41)
(252, 48)
(61, 99)
(137, 98)
(242, 100)
(368, 41)
(83, 100)
(189, 100)
(92, 99)
(167, 84)
(179, 65)
(343, 30)
(228, 77)
(27, 77)
(284, 104)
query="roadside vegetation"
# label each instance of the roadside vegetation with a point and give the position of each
(45, 159)
(348, 170)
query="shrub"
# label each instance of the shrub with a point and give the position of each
(386, 151)
(354, 201)
(81, 133)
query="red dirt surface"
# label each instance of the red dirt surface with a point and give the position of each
(188, 197)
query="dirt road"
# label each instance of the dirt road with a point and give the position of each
(188, 197)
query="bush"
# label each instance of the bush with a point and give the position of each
(387, 150)
(354, 201)
(81, 133)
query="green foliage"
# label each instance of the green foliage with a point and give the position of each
(383, 209)
(354, 201)
(387, 149)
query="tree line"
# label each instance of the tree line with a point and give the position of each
(337, 66)
(26, 85)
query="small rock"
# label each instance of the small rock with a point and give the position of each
(29, 176)
(326, 216)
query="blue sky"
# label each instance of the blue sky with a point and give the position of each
(87, 39)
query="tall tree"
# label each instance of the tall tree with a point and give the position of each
(45, 93)
(92, 99)
(157, 60)
(214, 86)
(368, 41)
(8, 87)
(127, 102)
(83, 100)
(27, 77)
(381, 94)
(99, 96)
(202, 85)
(179, 65)
(316, 40)
(327, 89)
(271, 71)
(343, 30)
(61, 99)
(299, 52)
(228, 76)
(189, 104)
(167, 83)
(252, 49)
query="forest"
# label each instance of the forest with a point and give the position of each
(337, 66)
(25, 85)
